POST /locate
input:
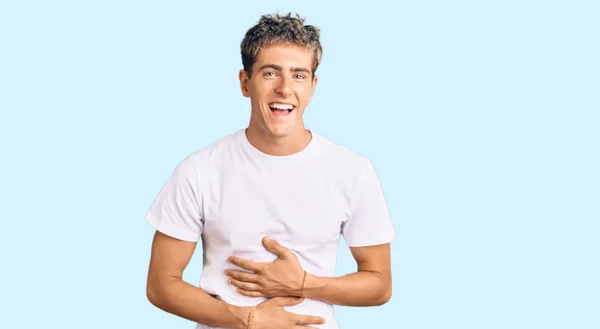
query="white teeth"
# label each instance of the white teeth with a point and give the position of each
(282, 106)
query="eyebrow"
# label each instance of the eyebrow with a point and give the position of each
(278, 68)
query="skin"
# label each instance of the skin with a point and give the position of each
(371, 285)
(166, 290)
(281, 73)
(285, 78)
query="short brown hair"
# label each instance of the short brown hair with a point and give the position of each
(276, 29)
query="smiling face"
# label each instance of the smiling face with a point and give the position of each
(280, 86)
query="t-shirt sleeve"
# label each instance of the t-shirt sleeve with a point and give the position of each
(176, 209)
(369, 222)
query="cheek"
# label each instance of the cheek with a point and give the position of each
(262, 85)
(257, 95)
(304, 95)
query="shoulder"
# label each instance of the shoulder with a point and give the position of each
(217, 152)
(341, 156)
(217, 149)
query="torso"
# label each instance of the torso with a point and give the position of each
(300, 201)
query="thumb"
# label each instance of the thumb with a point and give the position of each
(288, 301)
(274, 247)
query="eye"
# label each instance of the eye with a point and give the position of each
(269, 74)
(299, 77)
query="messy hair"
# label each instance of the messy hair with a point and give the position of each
(276, 29)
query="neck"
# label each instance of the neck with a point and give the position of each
(278, 146)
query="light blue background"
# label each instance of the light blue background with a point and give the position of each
(481, 117)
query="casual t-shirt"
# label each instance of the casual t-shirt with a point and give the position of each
(230, 195)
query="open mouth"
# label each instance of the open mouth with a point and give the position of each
(281, 109)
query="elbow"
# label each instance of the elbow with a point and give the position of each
(159, 290)
(382, 292)
(152, 294)
(384, 296)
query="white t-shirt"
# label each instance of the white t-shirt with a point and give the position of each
(231, 195)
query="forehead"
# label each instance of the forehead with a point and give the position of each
(285, 54)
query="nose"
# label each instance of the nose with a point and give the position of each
(284, 87)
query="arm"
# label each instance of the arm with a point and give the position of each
(369, 222)
(177, 210)
(371, 285)
(167, 290)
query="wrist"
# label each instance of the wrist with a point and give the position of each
(239, 316)
(313, 285)
(300, 291)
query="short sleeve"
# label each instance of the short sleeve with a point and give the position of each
(369, 222)
(176, 209)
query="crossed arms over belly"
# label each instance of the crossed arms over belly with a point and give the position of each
(283, 280)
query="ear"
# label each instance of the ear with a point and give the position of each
(314, 84)
(243, 76)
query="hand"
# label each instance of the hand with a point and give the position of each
(284, 277)
(270, 314)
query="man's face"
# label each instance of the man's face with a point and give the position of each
(280, 88)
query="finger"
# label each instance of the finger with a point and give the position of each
(245, 264)
(287, 301)
(250, 293)
(309, 319)
(244, 285)
(274, 247)
(242, 276)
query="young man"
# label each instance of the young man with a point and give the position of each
(270, 203)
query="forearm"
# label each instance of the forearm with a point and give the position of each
(362, 288)
(178, 297)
